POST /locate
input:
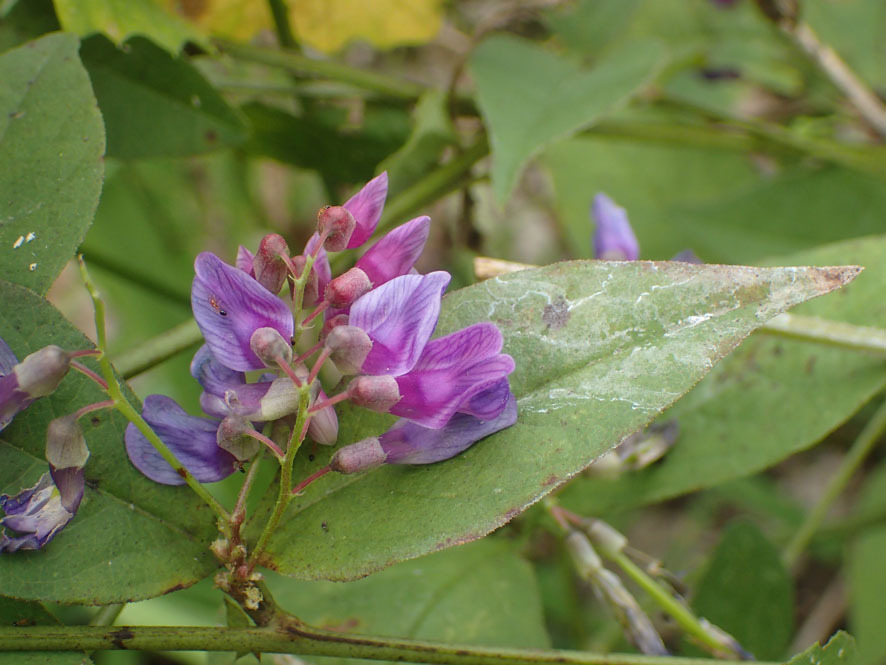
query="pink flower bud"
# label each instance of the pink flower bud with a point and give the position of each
(342, 291)
(378, 393)
(334, 322)
(270, 269)
(324, 425)
(233, 436)
(338, 223)
(269, 345)
(361, 456)
(349, 346)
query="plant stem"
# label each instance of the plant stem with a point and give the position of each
(280, 14)
(860, 448)
(154, 351)
(296, 638)
(121, 403)
(832, 333)
(296, 63)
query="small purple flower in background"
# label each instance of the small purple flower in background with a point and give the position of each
(613, 238)
(37, 513)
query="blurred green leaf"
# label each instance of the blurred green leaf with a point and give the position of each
(154, 104)
(866, 575)
(482, 593)
(25, 21)
(797, 392)
(746, 590)
(322, 140)
(840, 650)
(132, 538)
(432, 132)
(121, 20)
(51, 146)
(600, 348)
(530, 96)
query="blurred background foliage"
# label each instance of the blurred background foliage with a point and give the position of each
(227, 119)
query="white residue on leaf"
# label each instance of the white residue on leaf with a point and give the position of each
(18, 243)
(31, 235)
(32, 267)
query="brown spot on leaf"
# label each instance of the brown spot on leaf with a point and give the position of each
(556, 314)
(119, 637)
(550, 480)
(211, 136)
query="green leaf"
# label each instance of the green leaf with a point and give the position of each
(840, 650)
(866, 576)
(51, 146)
(120, 20)
(600, 347)
(131, 537)
(20, 613)
(746, 590)
(797, 391)
(482, 594)
(155, 105)
(530, 96)
(25, 21)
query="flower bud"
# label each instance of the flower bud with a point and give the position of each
(614, 240)
(269, 345)
(338, 224)
(349, 347)
(323, 427)
(268, 265)
(67, 453)
(279, 401)
(361, 456)
(378, 393)
(233, 436)
(346, 288)
(40, 373)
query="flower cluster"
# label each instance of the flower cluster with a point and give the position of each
(374, 323)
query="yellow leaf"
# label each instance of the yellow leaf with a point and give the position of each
(234, 19)
(327, 25)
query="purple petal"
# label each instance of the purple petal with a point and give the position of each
(36, 512)
(321, 264)
(409, 443)
(12, 399)
(214, 377)
(366, 206)
(399, 317)
(450, 371)
(613, 237)
(71, 484)
(229, 306)
(245, 260)
(191, 440)
(396, 252)
(489, 402)
(7, 358)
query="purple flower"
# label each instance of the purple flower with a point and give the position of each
(396, 252)
(37, 513)
(613, 238)
(229, 307)
(394, 322)
(450, 372)
(366, 206)
(410, 443)
(38, 375)
(192, 440)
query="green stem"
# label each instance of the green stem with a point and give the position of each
(154, 351)
(860, 448)
(107, 615)
(301, 65)
(294, 638)
(280, 14)
(122, 404)
(832, 333)
(663, 598)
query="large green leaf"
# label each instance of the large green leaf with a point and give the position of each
(746, 590)
(51, 145)
(120, 19)
(796, 391)
(600, 347)
(154, 104)
(131, 538)
(529, 96)
(482, 593)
